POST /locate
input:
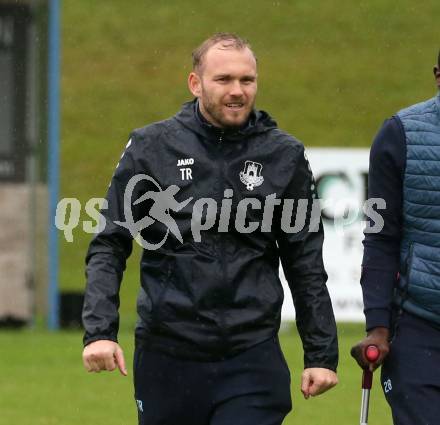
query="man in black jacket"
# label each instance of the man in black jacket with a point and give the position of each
(211, 194)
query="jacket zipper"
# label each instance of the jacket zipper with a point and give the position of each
(223, 333)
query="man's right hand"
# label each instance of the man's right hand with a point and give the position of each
(104, 355)
(378, 337)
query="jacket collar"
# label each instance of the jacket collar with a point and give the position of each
(191, 117)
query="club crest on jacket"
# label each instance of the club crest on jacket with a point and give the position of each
(251, 175)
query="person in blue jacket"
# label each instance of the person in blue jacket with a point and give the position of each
(401, 265)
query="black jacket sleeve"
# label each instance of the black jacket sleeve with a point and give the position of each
(301, 258)
(380, 264)
(107, 255)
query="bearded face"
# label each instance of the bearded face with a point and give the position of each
(226, 86)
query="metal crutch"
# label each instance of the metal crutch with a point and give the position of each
(371, 354)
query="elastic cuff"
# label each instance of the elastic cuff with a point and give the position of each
(377, 317)
(320, 365)
(89, 340)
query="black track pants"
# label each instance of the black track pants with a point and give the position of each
(251, 388)
(411, 373)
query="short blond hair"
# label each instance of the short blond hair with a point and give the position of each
(227, 40)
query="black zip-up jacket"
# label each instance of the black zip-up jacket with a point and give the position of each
(214, 297)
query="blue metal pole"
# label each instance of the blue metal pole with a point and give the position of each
(53, 158)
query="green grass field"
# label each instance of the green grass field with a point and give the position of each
(43, 383)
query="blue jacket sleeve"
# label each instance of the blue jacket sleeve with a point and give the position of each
(380, 263)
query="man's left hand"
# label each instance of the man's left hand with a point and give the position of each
(317, 380)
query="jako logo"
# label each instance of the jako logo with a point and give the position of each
(185, 162)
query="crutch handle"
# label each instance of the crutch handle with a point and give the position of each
(372, 353)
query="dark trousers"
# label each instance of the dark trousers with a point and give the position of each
(250, 388)
(411, 373)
